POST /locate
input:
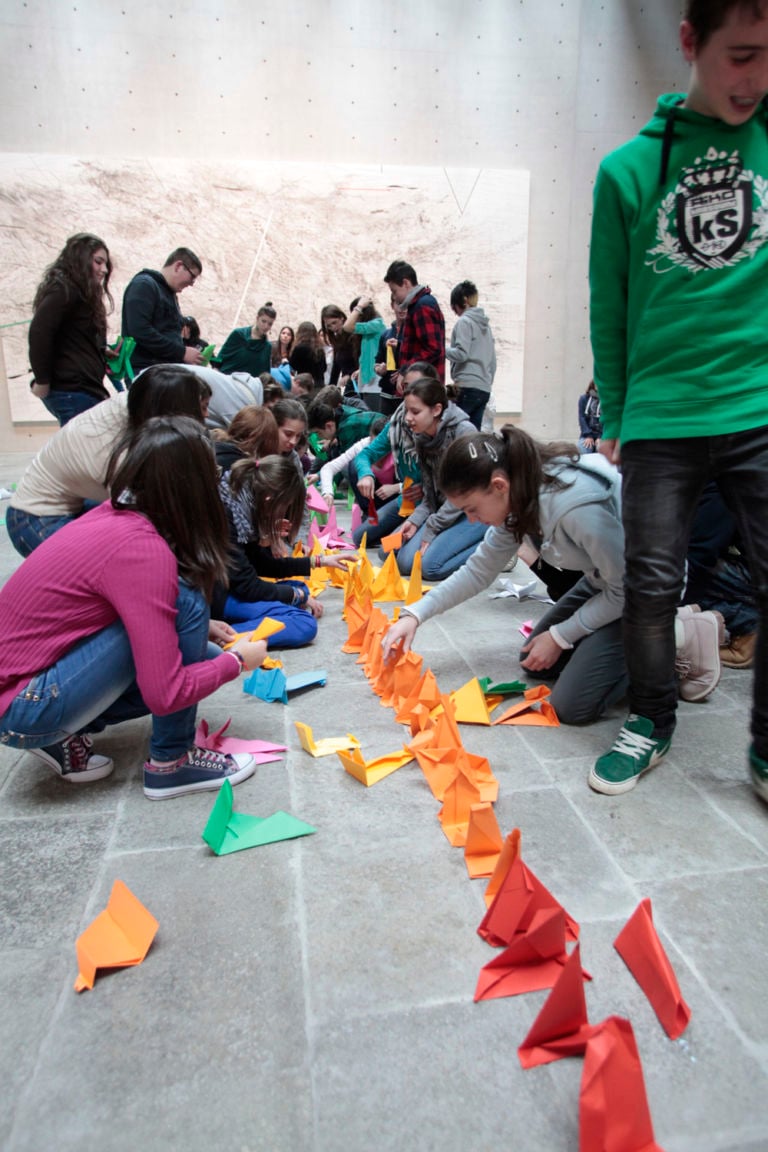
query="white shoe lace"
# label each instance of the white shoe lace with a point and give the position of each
(633, 744)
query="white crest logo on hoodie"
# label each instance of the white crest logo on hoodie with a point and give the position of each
(716, 216)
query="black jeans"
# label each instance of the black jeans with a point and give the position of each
(662, 483)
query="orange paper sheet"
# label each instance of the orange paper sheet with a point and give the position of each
(525, 712)
(643, 953)
(407, 504)
(119, 937)
(268, 627)
(471, 703)
(392, 542)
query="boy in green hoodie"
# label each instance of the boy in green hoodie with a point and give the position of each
(679, 299)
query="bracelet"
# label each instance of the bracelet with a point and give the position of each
(239, 657)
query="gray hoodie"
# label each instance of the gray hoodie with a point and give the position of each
(582, 531)
(472, 352)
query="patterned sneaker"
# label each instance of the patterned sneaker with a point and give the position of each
(758, 770)
(198, 771)
(71, 759)
(634, 752)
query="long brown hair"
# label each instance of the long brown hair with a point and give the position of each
(72, 270)
(168, 473)
(276, 492)
(471, 461)
(253, 429)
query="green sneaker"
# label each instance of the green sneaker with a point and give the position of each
(634, 752)
(758, 770)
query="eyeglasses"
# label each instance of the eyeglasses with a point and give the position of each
(192, 273)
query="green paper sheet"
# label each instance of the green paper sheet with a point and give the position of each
(229, 831)
(505, 688)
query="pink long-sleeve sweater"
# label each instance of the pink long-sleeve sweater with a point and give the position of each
(105, 566)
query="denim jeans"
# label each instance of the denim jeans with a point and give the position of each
(662, 483)
(446, 552)
(389, 520)
(26, 531)
(591, 676)
(94, 684)
(473, 401)
(65, 405)
(245, 616)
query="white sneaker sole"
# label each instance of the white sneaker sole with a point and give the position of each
(211, 785)
(609, 788)
(99, 767)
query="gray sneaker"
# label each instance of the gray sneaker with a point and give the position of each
(697, 661)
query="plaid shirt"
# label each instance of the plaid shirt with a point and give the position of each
(423, 333)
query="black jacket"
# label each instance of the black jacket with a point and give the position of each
(65, 345)
(151, 315)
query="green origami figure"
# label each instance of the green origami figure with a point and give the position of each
(229, 831)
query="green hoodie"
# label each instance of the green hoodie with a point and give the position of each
(679, 278)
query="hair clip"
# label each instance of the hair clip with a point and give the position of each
(491, 451)
(472, 450)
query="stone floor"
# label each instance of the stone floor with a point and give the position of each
(316, 995)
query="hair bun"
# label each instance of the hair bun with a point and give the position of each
(269, 304)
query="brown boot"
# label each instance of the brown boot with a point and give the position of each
(739, 653)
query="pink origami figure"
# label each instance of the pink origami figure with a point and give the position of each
(264, 752)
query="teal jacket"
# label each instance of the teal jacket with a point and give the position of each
(679, 278)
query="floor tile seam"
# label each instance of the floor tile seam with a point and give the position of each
(710, 802)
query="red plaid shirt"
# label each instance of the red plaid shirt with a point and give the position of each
(423, 334)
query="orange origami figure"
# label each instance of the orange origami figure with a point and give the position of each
(374, 630)
(643, 953)
(415, 587)
(471, 703)
(119, 937)
(388, 585)
(392, 542)
(407, 505)
(460, 794)
(520, 896)
(371, 771)
(613, 1108)
(524, 712)
(358, 613)
(484, 841)
(407, 673)
(425, 693)
(561, 1027)
(268, 627)
(534, 960)
(509, 852)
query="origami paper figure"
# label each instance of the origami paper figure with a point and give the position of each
(526, 628)
(643, 953)
(426, 693)
(365, 570)
(384, 684)
(613, 1108)
(439, 766)
(561, 1027)
(119, 937)
(416, 588)
(315, 501)
(532, 961)
(263, 750)
(358, 615)
(407, 673)
(503, 688)
(373, 518)
(228, 831)
(509, 852)
(268, 627)
(525, 712)
(328, 745)
(520, 896)
(371, 771)
(471, 704)
(407, 504)
(460, 794)
(388, 585)
(273, 684)
(357, 514)
(392, 542)
(484, 841)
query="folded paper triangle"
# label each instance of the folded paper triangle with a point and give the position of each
(520, 896)
(471, 704)
(460, 794)
(643, 953)
(373, 518)
(613, 1107)
(315, 501)
(228, 831)
(357, 517)
(532, 961)
(407, 503)
(119, 937)
(484, 841)
(388, 585)
(439, 766)
(326, 746)
(561, 1027)
(525, 712)
(358, 613)
(267, 627)
(264, 752)
(392, 542)
(426, 693)
(509, 852)
(407, 673)
(371, 771)
(415, 589)
(266, 684)
(365, 570)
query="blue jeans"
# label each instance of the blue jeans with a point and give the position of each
(473, 401)
(446, 552)
(26, 531)
(94, 684)
(662, 483)
(65, 405)
(245, 616)
(591, 676)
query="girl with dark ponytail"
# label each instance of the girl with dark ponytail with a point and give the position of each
(570, 506)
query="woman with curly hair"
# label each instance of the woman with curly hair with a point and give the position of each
(68, 332)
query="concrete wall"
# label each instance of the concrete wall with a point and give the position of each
(542, 85)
